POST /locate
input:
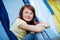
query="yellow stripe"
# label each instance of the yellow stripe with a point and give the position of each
(56, 9)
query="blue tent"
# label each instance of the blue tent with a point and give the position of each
(12, 7)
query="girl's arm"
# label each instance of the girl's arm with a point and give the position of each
(46, 25)
(34, 28)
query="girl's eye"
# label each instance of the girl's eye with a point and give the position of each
(31, 13)
(26, 12)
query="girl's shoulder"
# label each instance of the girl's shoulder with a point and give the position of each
(18, 20)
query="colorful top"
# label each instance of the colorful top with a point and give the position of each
(20, 33)
(56, 8)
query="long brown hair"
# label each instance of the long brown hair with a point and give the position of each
(30, 8)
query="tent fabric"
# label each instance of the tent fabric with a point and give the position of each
(5, 22)
(56, 9)
(40, 13)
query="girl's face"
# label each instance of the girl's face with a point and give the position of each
(27, 15)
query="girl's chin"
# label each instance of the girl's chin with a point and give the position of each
(27, 20)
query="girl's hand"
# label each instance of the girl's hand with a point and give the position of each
(32, 32)
(46, 25)
(40, 28)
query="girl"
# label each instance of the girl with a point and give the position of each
(26, 23)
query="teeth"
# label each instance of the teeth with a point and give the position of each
(28, 17)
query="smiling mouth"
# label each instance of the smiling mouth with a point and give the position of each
(28, 17)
